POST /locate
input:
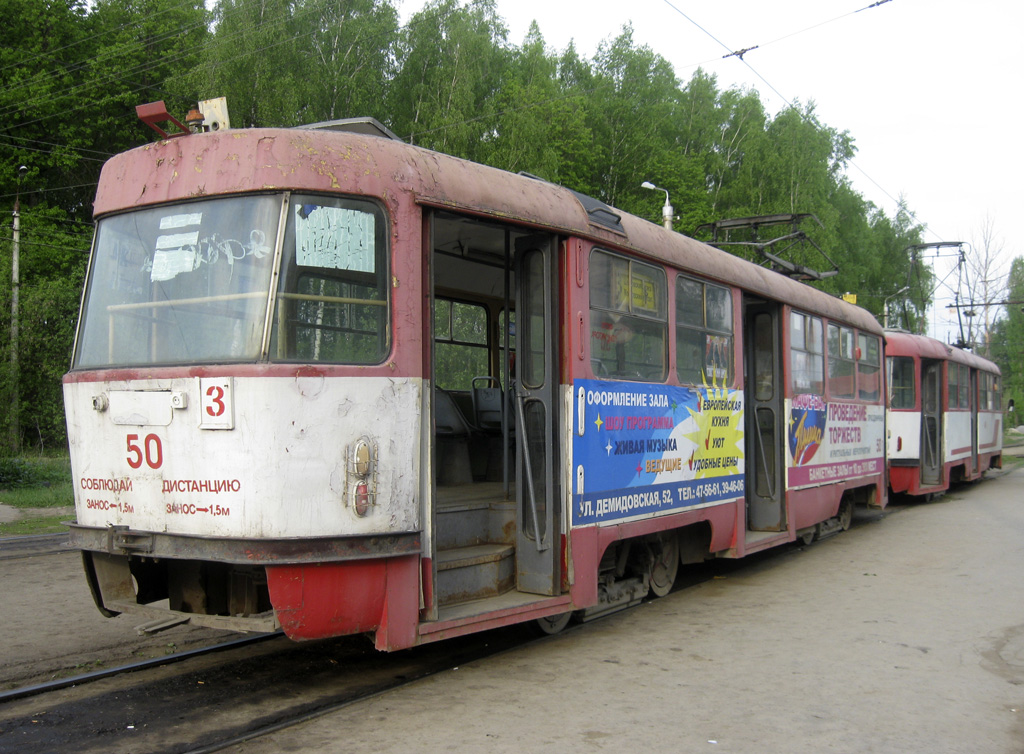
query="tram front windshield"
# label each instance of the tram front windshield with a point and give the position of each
(191, 284)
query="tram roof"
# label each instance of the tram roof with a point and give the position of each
(903, 343)
(242, 160)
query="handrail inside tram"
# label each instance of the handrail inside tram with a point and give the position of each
(185, 301)
(332, 299)
(528, 470)
(768, 476)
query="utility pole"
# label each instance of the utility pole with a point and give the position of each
(15, 426)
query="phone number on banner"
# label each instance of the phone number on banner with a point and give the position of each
(614, 505)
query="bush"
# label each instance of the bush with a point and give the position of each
(19, 473)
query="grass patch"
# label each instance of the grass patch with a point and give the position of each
(36, 482)
(55, 496)
(1012, 462)
(44, 525)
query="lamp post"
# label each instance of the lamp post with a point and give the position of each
(666, 211)
(885, 304)
(15, 426)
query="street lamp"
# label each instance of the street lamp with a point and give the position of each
(666, 211)
(885, 304)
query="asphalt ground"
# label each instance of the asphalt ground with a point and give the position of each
(904, 634)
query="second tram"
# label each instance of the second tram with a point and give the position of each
(945, 421)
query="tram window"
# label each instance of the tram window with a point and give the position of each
(180, 284)
(959, 385)
(703, 332)
(840, 362)
(983, 400)
(764, 358)
(868, 366)
(332, 301)
(628, 318)
(460, 343)
(806, 351)
(901, 382)
(995, 395)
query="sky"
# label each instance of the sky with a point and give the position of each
(930, 91)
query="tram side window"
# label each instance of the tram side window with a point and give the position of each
(628, 318)
(841, 374)
(703, 332)
(868, 367)
(807, 352)
(460, 343)
(959, 386)
(983, 383)
(995, 397)
(332, 301)
(901, 382)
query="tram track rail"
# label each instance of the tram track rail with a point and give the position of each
(212, 700)
(83, 678)
(32, 545)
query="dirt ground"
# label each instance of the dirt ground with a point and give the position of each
(52, 629)
(905, 634)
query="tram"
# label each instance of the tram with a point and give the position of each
(944, 415)
(332, 383)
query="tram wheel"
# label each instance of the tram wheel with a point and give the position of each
(664, 562)
(553, 624)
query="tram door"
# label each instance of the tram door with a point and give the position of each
(764, 406)
(538, 536)
(931, 422)
(974, 421)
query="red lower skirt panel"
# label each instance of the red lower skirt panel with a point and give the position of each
(351, 597)
(903, 478)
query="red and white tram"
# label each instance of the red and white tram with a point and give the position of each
(337, 384)
(944, 418)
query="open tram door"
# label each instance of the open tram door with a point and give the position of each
(535, 394)
(931, 422)
(492, 519)
(762, 335)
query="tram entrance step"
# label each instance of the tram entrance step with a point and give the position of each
(472, 573)
(473, 515)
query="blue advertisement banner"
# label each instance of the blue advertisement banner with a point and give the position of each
(641, 449)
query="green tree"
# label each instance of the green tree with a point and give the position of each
(1007, 340)
(44, 44)
(345, 60)
(527, 104)
(451, 62)
(631, 116)
(53, 253)
(143, 48)
(253, 62)
(716, 129)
